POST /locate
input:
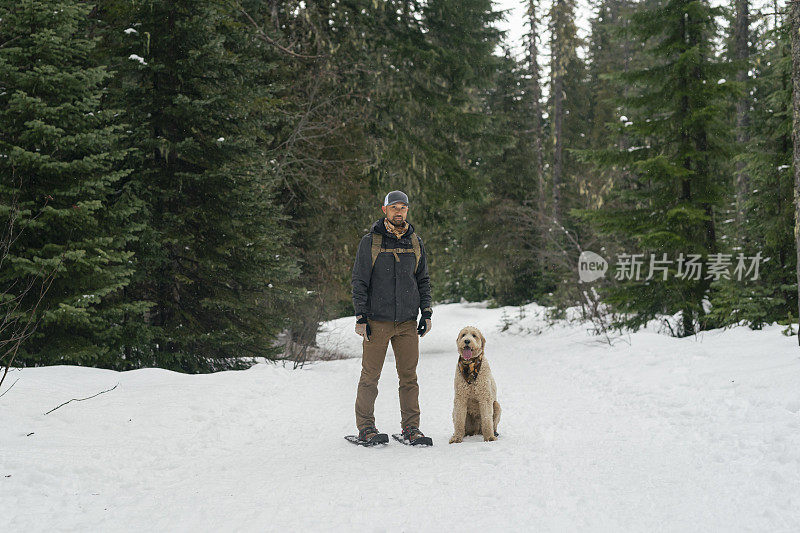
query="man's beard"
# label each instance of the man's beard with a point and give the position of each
(397, 224)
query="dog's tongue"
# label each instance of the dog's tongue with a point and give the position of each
(466, 353)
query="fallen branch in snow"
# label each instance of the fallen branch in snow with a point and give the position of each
(81, 399)
(9, 388)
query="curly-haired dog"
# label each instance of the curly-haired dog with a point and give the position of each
(475, 407)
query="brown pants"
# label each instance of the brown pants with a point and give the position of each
(405, 344)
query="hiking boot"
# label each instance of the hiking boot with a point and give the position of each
(370, 435)
(412, 435)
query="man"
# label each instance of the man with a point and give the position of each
(387, 297)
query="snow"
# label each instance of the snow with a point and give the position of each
(652, 433)
(134, 57)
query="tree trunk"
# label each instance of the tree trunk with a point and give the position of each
(794, 16)
(536, 112)
(557, 90)
(742, 52)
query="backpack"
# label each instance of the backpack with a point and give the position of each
(415, 249)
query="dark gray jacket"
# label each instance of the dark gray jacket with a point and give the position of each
(392, 290)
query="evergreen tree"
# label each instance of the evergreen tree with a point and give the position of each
(510, 269)
(423, 72)
(563, 57)
(321, 146)
(576, 179)
(769, 210)
(609, 51)
(741, 36)
(429, 116)
(60, 142)
(456, 132)
(197, 91)
(677, 183)
(533, 94)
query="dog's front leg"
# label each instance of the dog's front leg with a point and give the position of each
(459, 419)
(487, 421)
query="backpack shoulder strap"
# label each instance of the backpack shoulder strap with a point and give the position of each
(417, 250)
(377, 241)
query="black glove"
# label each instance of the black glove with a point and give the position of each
(424, 323)
(362, 319)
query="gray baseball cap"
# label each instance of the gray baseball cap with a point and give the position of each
(395, 196)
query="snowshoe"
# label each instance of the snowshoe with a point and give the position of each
(368, 436)
(412, 436)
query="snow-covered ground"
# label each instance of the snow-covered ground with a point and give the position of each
(652, 434)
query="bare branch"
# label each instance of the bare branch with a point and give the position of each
(81, 399)
(20, 330)
(9, 388)
(262, 34)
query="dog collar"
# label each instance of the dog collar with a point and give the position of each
(470, 368)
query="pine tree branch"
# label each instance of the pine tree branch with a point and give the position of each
(10, 41)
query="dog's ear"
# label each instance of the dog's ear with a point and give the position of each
(483, 340)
